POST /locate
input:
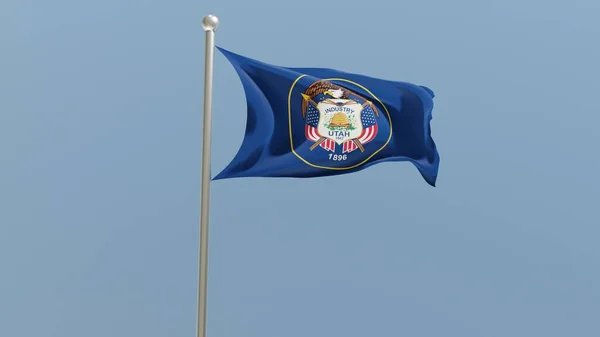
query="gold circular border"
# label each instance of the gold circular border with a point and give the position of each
(326, 167)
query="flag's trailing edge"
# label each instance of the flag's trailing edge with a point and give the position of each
(312, 122)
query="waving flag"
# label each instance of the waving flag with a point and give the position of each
(311, 122)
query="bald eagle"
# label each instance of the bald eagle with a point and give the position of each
(329, 89)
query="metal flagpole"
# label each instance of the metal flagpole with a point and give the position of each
(209, 23)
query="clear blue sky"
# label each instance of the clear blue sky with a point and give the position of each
(100, 142)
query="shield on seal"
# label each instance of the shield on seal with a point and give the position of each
(340, 119)
(337, 116)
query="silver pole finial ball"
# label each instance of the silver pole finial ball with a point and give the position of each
(210, 22)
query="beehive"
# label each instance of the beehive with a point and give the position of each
(340, 120)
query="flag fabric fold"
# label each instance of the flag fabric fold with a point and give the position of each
(313, 122)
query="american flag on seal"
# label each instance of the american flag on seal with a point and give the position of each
(369, 131)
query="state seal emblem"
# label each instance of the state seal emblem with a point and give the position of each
(337, 119)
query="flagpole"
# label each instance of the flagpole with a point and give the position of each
(209, 24)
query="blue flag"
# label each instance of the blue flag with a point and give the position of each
(312, 122)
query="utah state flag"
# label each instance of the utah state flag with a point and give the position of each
(311, 122)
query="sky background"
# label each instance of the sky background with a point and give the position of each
(100, 144)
